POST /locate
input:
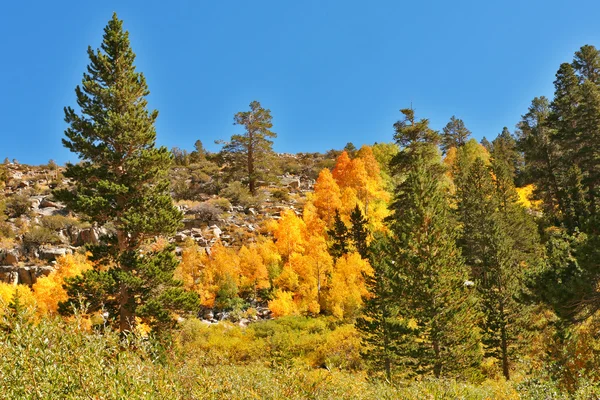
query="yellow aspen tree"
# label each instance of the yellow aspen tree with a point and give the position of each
(347, 287)
(327, 196)
(188, 271)
(289, 234)
(48, 291)
(282, 304)
(254, 273)
(342, 170)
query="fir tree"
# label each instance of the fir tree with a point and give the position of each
(429, 277)
(383, 331)
(122, 180)
(339, 237)
(358, 232)
(487, 246)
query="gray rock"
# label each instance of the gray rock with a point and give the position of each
(52, 253)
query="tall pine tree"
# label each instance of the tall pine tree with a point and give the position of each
(121, 180)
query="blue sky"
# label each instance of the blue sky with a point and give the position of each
(331, 72)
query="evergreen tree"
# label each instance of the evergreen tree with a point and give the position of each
(587, 64)
(383, 331)
(505, 150)
(587, 142)
(252, 150)
(487, 246)
(417, 141)
(122, 180)
(486, 143)
(339, 237)
(455, 134)
(429, 277)
(358, 232)
(542, 155)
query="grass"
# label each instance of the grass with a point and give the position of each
(57, 359)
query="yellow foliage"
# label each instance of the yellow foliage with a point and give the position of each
(49, 291)
(188, 270)
(326, 196)
(283, 304)
(525, 194)
(8, 291)
(289, 234)
(222, 265)
(347, 287)
(253, 269)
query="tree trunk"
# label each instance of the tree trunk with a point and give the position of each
(504, 346)
(437, 366)
(126, 311)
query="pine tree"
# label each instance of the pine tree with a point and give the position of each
(417, 141)
(488, 249)
(542, 155)
(455, 134)
(383, 331)
(358, 232)
(252, 150)
(432, 276)
(339, 237)
(122, 180)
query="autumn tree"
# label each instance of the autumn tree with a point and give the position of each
(251, 150)
(122, 180)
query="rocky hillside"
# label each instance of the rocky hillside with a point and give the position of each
(35, 229)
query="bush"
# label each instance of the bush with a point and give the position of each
(221, 203)
(206, 212)
(281, 195)
(17, 205)
(39, 235)
(238, 194)
(60, 222)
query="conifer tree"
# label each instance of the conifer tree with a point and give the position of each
(251, 150)
(383, 331)
(339, 237)
(358, 232)
(542, 155)
(455, 134)
(432, 276)
(488, 249)
(122, 180)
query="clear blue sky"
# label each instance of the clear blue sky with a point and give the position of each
(330, 71)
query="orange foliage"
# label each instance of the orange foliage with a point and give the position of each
(49, 291)
(289, 234)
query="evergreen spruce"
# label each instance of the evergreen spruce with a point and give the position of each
(429, 277)
(339, 237)
(487, 246)
(359, 232)
(121, 180)
(383, 331)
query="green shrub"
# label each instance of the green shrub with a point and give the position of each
(60, 222)
(281, 195)
(39, 235)
(17, 205)
(238, 194)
